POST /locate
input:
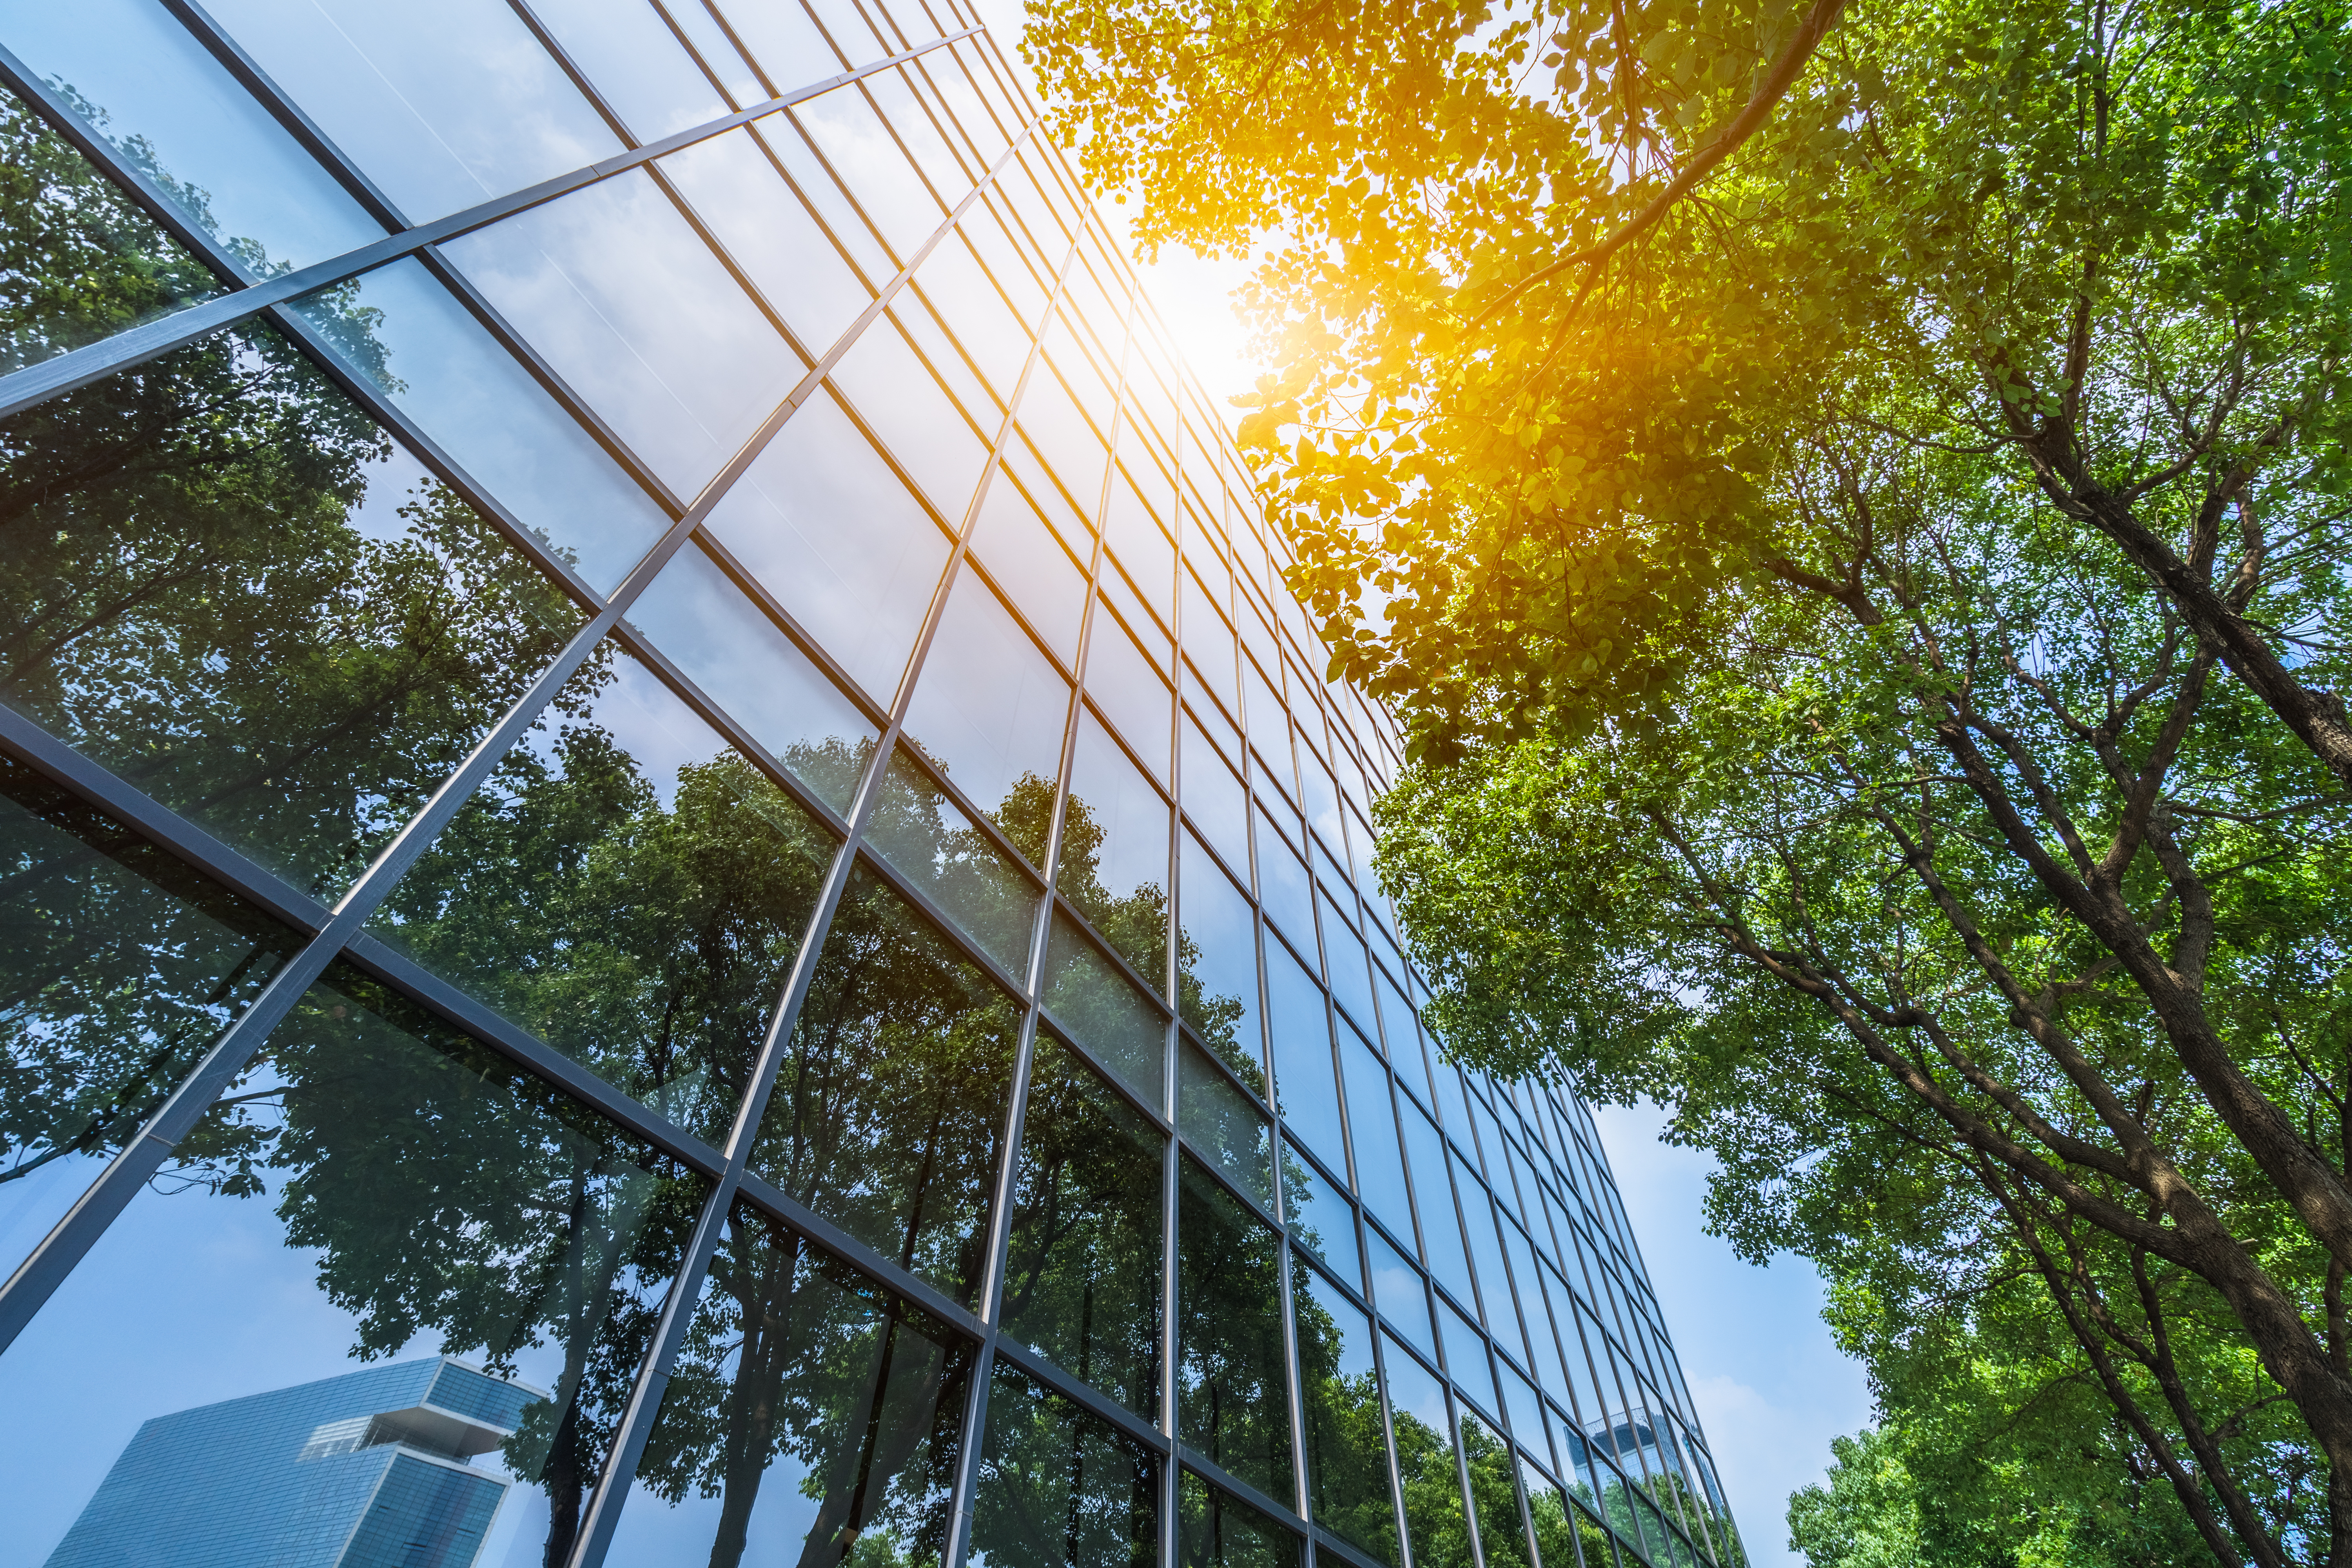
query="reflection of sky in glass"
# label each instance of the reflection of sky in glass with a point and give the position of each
(989, 707)
(134, 62)
(768, 230)
(635, 62)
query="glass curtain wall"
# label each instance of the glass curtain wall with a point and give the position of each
(676, 888)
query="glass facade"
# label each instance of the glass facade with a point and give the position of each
(675, 886)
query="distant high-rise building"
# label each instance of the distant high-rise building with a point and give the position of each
(366, 1471)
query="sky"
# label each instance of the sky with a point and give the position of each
(1772, 1388)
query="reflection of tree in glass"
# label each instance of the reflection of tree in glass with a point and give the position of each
(1432, 1493)
(888, 1110)
(1220, 1121)
(1134, 923)
(1214, 1531)
(793, 1355)
(1501, 1537)
(120, 966)
(1561, 1527)
(1059, 1488)
(1232, 1396)
(648, 943)
(183, 592)
(1347, 1451)
(450, 1197)
(1082, 1269)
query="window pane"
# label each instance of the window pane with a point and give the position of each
(989, 710)
(1082, 1271)
(1114, 856)
(890, 1107)
(1424, 1448)
(122, 966)
(1351, 985)
(1486, 1251)
(1058, 1487)
(144, 84)
(1321, 1216)
(1307, 1093)
(632, 311)
(855, 141)
(1216, 960)
(86, 262)
(1214, 801)
(1440, 1230)
(1465, 1357)
(1215, 1531)
(441, 367)
(1088, 997)
(1371, 1117)
(727, 646)
(928, 840)
(1400, 1295)
(808, 1411)
(1025, 559)
(1232, 1399)
(786, 44)
(268, 619)
(1123, 684)
(1284, 889)
(901, 402)
(502, 1274)
(634, 62)
(627, 888)
(1218, 1121)
(1346, 1452)
(442, 102)
(738, 190)
(834, 535)
(1502, 1537)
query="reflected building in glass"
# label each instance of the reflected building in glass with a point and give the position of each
(651, 744)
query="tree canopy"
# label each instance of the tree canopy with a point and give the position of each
(1871, 633)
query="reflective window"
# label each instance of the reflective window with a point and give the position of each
(738, 190)
(273, 1314)
(1347, 1451)
(614, 291)
(1486, 1251)
(1232, 1399)
(1400, 1294)
(1433, 1515)
(784, 44)
(144, 84)
(269, 619)
(808, 1410)
(927, 838)
(1123, 684)
(1058, 1487)
(890, 1109)
(1221, 1124)
(627, 888)
(901, 401)
(1352, 986)
(727, 646)
(1113, 863)
(120, 967)
(1213, 1530)
(1306, 1090)
(87, 262)
(989, 709)
(1440, 1230)
(1466, 1356)
(634, 63)
(444, 103)
(827, 528)
(431, 359)
(1214, 800)
(1216, 964)
(1082, 1270)
(857, 144)
(1321, 1218)
(1087, 994)
(1032, 566)
(1283, 888)
(1142, 549)
(1494, 1497)
(1062, 436)
(1380, 1161)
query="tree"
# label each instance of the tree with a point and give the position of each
(1869, 641)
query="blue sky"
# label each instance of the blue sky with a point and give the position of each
(1772, 1389)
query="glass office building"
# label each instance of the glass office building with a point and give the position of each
(650, 746)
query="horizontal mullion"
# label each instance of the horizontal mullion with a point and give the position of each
(1208, 1469)
(135, 346)
(518, 1044)
(778, 1206)
(1078, 1391)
